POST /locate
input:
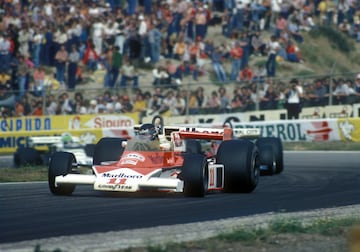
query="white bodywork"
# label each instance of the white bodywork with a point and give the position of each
(128, 180)
(56, 142)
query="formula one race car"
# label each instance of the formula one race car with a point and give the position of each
(42, 147)
(171, 159)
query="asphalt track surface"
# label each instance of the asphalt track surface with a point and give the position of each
(311, 180)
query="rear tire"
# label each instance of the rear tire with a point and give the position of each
(60, 165)
(108, 149)
(27, 156)
(195, 175)
(241, 165)
(89, 150)
(276, 144)
(267, 158)
(193, 146)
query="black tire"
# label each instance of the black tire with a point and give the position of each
(195, 175)
(108, 149)
(193, 146)
(27, 156)
(61, 164)
(241, 165)
(276, 144)
(89, 150)
(267, 158)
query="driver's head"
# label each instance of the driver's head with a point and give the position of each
(148, 130)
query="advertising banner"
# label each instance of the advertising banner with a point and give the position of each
(14, 132)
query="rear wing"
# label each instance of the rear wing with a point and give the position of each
(49, 140)
(212, 133)
(208, 133)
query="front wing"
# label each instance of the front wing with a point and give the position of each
(126, 180)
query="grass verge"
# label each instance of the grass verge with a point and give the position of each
(271, 238)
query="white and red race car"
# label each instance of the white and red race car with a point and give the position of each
(171, 159)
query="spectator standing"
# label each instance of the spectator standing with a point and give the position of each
(216, 60)
(38, 87)
(245, 43)
(22, 73)
(200, 23)
(37, 41)
(60, 39)
(116, 63)
(154, 38)
(61, 58)
(179, 49)
(24, 39)
(91, 57)
(4, 52)
(97, 35)
(236, 53)
(73, 59)
(47, 45)
(273, 48)
(143, 33)
(293, 96)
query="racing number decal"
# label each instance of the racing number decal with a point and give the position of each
(118, 181)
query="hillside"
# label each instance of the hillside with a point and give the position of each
(324, 51)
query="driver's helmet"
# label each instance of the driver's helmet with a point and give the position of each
(149, 131)
(66, 138)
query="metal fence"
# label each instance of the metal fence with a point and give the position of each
(334, 84)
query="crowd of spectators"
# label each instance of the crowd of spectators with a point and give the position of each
(122, 36)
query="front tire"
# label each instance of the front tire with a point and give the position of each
(241, 165)
(60, 165)
(195, 175)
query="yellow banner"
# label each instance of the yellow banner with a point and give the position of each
(349, 129)
(14, 132)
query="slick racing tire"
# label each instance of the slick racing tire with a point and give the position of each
(108, 149)
(276, 144)
(267, 159)
(241, 165)
(60, 165)
(195, 175)
(27, 156)
(193, 146)
(89, 150)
